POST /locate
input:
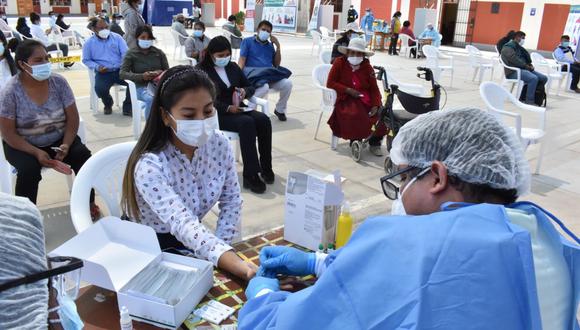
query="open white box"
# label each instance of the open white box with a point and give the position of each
(114, 251)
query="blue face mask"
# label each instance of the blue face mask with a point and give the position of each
(141, 7)
(145, 44)
(67, 312)
(222, 61)
(263, 35)
(197, 33)
(40, 72)
(2, 49)
(566, 44)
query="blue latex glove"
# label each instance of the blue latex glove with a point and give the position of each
(287, 261)
(258, 283)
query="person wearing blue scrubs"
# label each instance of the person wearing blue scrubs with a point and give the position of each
(458, 253)
(431, 33)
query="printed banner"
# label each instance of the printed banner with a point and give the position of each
(65, 59)
(313, 25)
(250, 15)
(573, 27)
(282, 14)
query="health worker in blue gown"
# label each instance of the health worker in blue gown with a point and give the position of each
(458, 252)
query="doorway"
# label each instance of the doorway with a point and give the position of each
(448, 21)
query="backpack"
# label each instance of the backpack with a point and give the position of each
(540, 98)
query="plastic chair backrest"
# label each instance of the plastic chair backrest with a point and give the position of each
(432, 55)
(320, 74)
(104, 172)
(316, 36)
(324, 31)
(474, 55)
(405, 39)
(325, 56)
(494, 95)
(175, 35)
(538, 59)
(136, 109)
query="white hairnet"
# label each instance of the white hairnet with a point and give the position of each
(22, 253)
(474, 145)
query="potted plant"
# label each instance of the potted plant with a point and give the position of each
(240, 18)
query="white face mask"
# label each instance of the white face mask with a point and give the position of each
(195, 133)
(398, 208)
(104, 34)
(355, 60)
(263, 35)
(522, 41)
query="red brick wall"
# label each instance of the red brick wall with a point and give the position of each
(381, 8)
(553, 24)
(489, 28)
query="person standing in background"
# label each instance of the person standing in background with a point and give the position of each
(133, 20)
(115, 27)
(196, 13)
(395, 29)
(366, 23)
(351, 15)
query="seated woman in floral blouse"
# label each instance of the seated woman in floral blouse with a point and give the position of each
(181, 167)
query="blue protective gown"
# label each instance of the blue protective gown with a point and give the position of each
(466, 268)
(433, 35)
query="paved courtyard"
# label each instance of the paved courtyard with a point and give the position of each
(557, 188)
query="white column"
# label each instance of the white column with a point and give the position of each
(405, 7)
(44, 7)
(531, 24)
(241, 5)
(75, 7)
(12, 8)
(393, 7)
(229, 11)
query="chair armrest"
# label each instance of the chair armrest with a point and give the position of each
(516, 116)
(262, 103)
(192, 61)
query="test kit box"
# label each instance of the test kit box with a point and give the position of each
(116, 251)
(312, 208)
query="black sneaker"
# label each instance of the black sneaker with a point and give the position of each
(108, 110)
(281, 116)
(268, 176)
(128, 113)
(254, 184)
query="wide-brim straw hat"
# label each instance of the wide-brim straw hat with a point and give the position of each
(358, 45)
(352, 27)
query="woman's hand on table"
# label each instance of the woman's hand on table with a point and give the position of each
(230, 262)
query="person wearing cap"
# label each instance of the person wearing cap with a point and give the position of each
(115, 27)
(351, 30)
(179, 26)
(358, 96)
(431, 33)
(464, 257)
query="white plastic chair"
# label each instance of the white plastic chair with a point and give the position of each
(434, 56)
(325, 56)
(517, 82)
(405, 41)
(325, 33)
(8, 35)
(104, 172)
(478, 63)
(316, 41)
(192, 61)
(319, 78)
(94, 99)
(552, 70)
(494, 96)
(64, 36)
(177, 46)
(235, 51)
(566, 71)
(138, 109)
(7, 171)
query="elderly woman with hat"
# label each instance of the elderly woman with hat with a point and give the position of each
(358, 96)
(351, 31)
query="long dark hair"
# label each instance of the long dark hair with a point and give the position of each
(216, 45)
(7, 54)
(174, 83)
(20, 23)
(25, 50)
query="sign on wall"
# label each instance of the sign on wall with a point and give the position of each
(282, 14)
(250, 14)
(573, 27)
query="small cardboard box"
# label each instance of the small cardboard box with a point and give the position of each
(312, 207)
(114, 251)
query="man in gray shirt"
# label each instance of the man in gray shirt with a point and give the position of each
(178, 25)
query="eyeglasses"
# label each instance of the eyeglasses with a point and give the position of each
(64, 272)
(393, 182)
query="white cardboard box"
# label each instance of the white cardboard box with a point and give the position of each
(114, 251)
(312, 208)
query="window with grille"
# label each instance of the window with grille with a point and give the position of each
(60, 3)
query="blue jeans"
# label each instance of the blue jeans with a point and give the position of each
(530, 78)
(144, 95)
(104, 82)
